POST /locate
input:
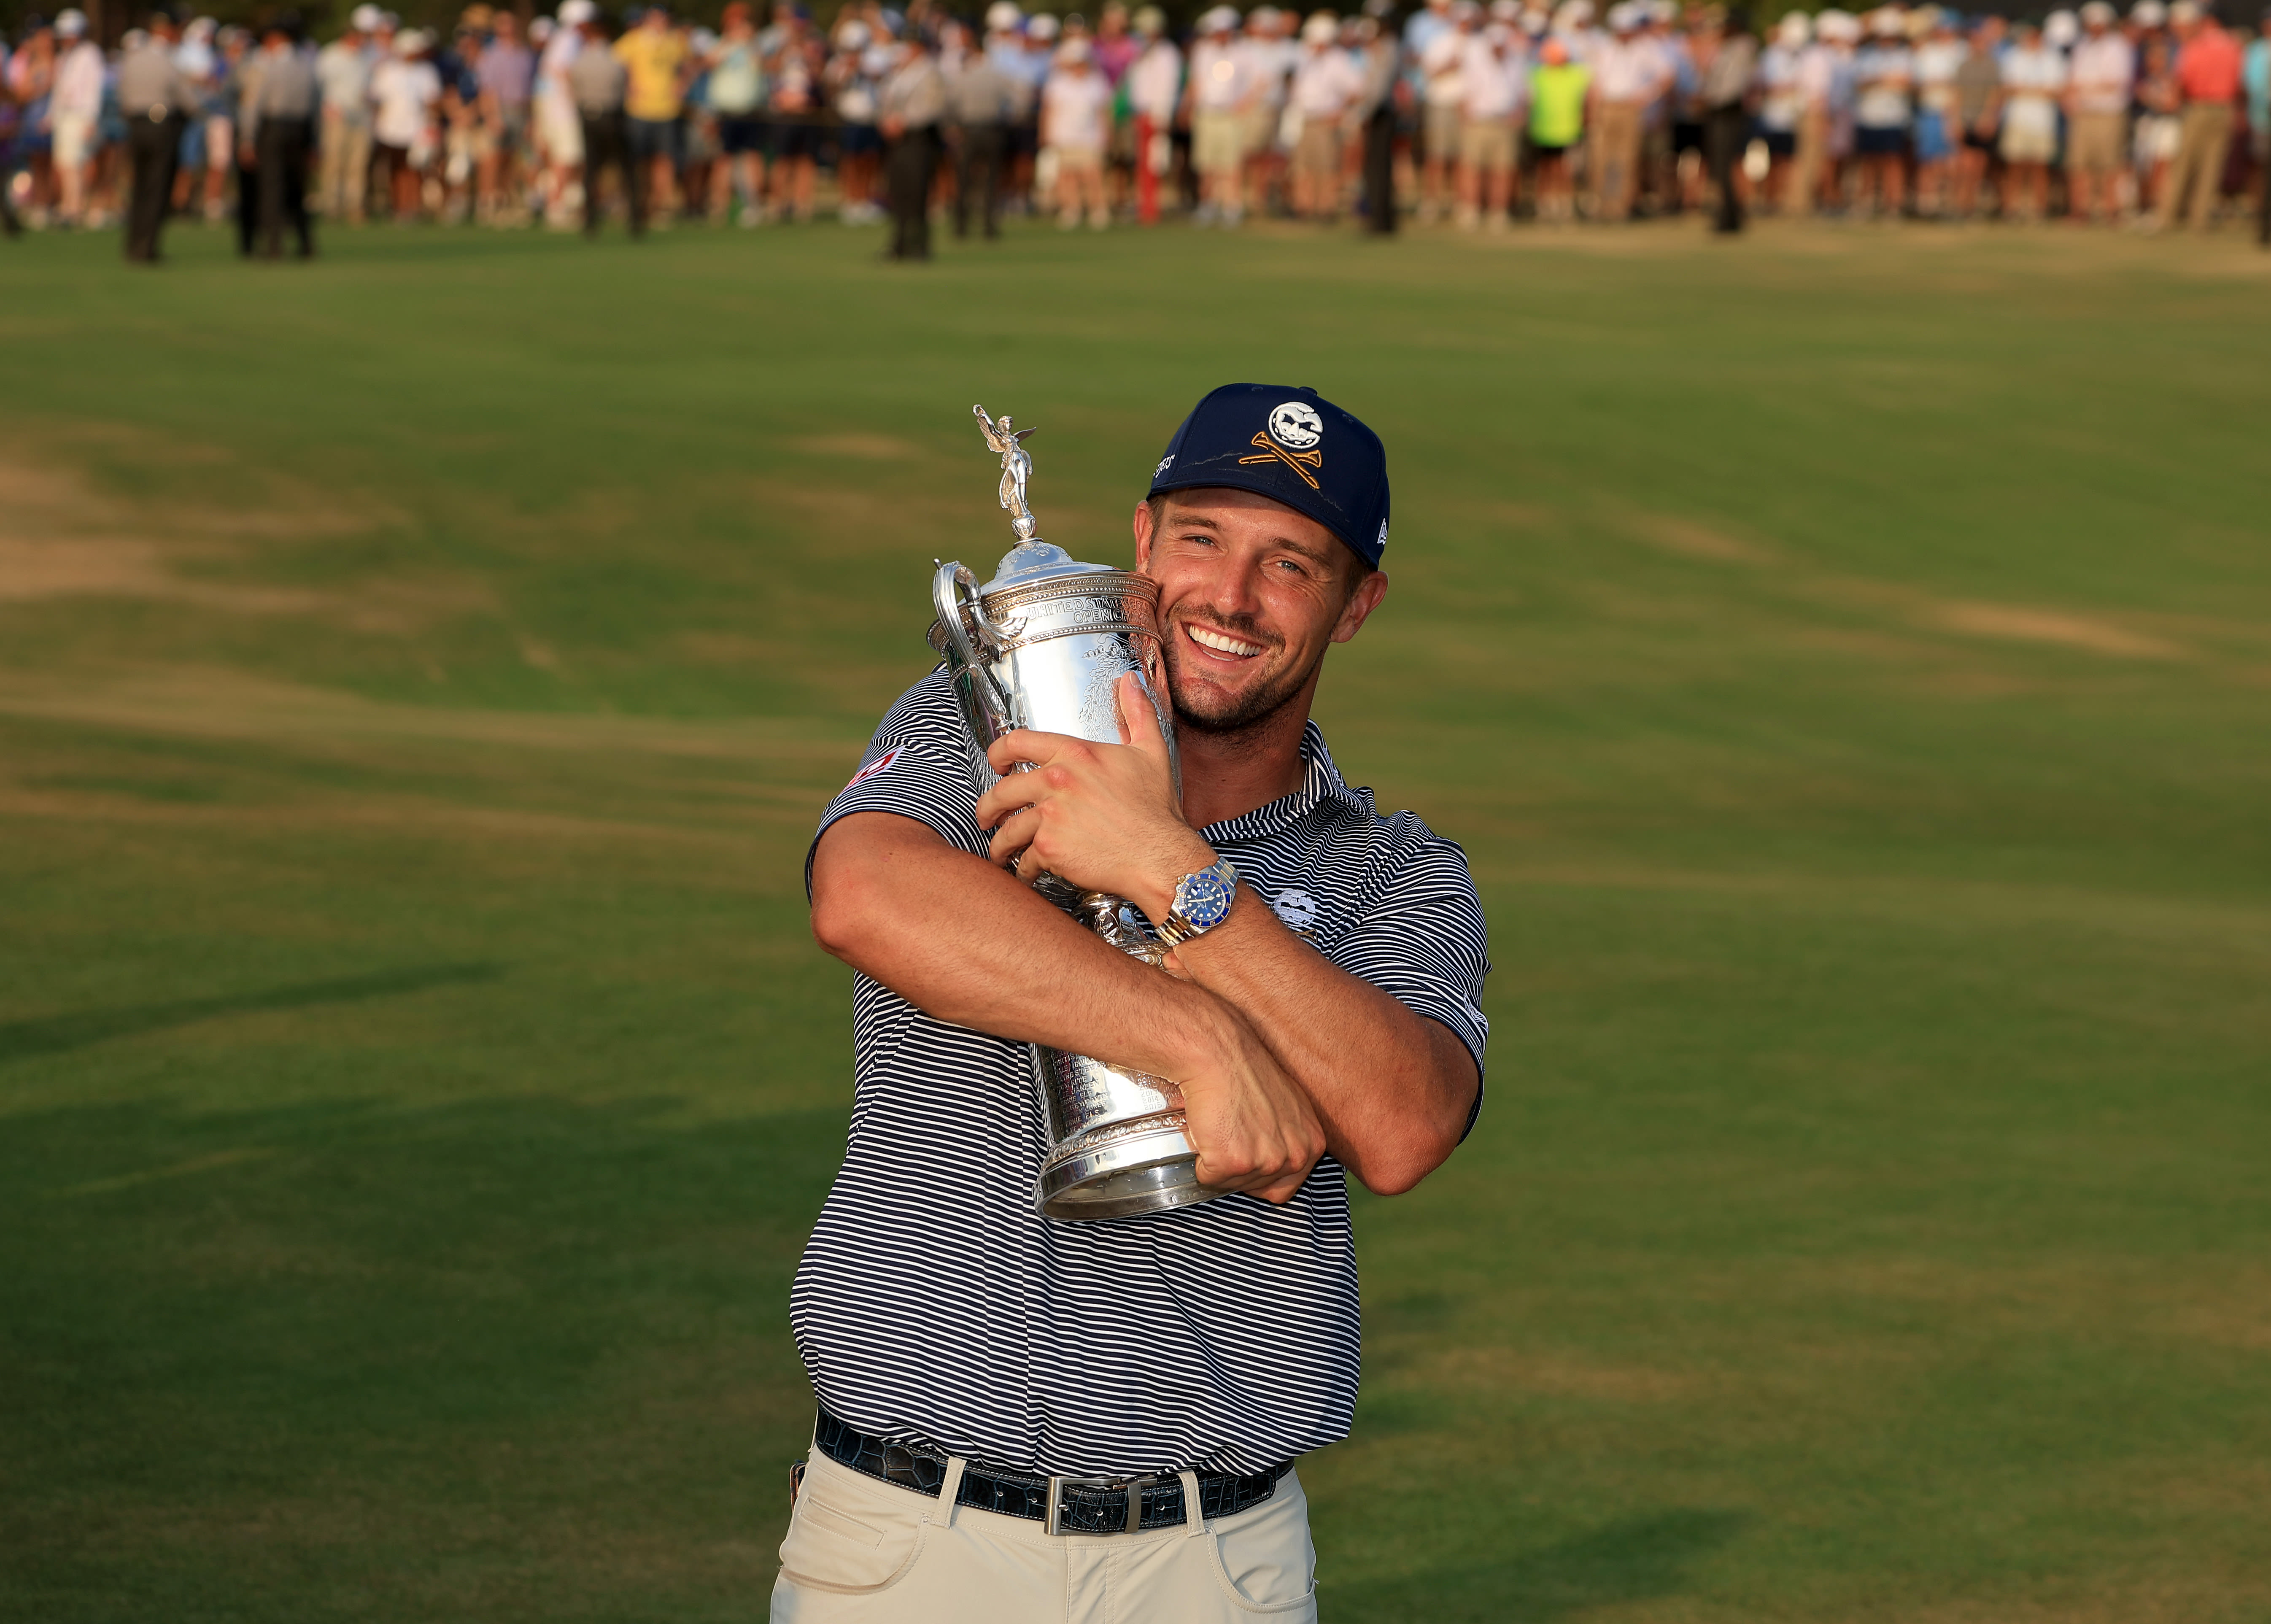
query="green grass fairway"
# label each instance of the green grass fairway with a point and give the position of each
(1845, 656)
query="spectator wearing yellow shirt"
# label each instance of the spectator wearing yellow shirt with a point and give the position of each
(1558, 88)
(660, 65)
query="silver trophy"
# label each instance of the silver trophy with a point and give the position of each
(1043, 645)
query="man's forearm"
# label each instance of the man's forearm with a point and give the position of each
(967, 943)
(1393, 1089)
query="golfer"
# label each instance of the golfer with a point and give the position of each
(977, 1365)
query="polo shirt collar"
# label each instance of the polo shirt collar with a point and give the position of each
(1322, 790)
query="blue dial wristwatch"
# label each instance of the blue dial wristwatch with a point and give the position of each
(1201, 902)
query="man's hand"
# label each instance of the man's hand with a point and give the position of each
(1101, 817)
(1254, 1129)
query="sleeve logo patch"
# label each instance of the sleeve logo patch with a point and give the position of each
(873, 767)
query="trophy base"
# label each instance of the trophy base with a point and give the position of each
(1146, 1165)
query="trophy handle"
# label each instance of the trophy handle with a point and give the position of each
(954, 593)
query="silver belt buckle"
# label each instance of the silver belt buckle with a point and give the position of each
(1135, 1486)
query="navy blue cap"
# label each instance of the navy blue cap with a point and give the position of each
(1291, 445)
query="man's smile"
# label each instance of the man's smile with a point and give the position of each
(1221, 644)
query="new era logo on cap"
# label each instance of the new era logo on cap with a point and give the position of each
(1291, 445)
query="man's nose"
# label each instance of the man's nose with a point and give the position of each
(1234, 591)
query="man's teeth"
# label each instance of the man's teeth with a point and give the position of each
(1221, 644)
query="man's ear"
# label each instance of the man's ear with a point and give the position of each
(1143, 523)
(1361, 603)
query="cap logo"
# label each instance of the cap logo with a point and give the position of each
(1292, 431)
(1296, 425)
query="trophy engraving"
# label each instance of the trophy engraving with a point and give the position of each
(1043, 645)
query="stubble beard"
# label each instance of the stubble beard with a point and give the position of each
(1248, 714)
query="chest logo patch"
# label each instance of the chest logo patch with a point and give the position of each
(1296, 908)
(880, 763)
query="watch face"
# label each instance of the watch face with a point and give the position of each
(1204, 899)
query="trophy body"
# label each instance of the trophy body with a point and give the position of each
(1043, 645)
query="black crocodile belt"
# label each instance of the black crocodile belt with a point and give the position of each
(1062, 1505)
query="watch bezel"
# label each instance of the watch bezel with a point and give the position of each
(1208, 889)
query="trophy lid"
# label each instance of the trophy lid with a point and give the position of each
(1037, 560)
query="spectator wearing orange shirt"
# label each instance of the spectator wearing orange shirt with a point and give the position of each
(2207, 78)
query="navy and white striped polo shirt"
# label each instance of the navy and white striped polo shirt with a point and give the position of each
(935, 1304)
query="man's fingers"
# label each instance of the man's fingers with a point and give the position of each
(1139, 721)
(1016, 834)
(1026, 744)
(1275, 1176)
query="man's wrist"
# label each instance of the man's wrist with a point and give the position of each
(1160, 878)
(1207, 1032)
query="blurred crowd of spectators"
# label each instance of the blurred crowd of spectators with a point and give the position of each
(1474, 114)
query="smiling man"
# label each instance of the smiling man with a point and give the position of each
(1021, 1419)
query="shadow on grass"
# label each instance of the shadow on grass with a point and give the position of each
(59, 1034)
(402, 1364)
(1632, 1559)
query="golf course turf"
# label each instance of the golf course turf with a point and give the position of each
(1844, 655)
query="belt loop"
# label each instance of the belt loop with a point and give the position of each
(949, 1491)
(1194, 1525)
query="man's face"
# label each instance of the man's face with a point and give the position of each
(508, 28)
(1251, 595)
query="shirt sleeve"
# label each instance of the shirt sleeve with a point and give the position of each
(919, 764)
(1421, 938)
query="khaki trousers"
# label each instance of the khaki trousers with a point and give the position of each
(1804, 193)
(346, 170)
(1615, 140)
(862, 1552)
(2189, 193)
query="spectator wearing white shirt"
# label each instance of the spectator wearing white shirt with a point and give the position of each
(1625, 72)
(343, 73)
(1445, 99)
(2100, 76)
(405, 90)
(1825, 126)
(1325, 87)
(1884, 79)
(1496, 76)
(2034, 83)
(1424, 26)
(75, 114)
(1658, 178)
(1077, 126)
(1939, 110)
(1573, 25)
(1271, 52)
(1155, 86)
(559, 128)
(1781, 101)
(1222, 93)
